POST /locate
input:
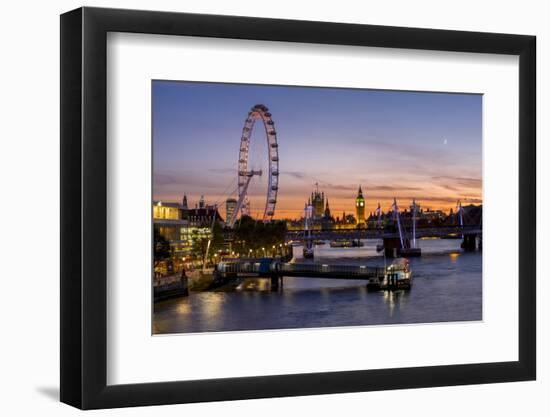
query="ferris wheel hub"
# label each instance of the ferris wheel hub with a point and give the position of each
(254, 172)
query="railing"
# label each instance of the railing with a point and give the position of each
(378, 233)
(322, 270)
(239, 267)
(351, 270)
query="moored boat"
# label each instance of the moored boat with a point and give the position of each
(398, 275)
(346, 243)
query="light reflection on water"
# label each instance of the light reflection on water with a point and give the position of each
(447, 286)
(454, 256)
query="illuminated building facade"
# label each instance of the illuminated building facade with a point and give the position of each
(183, 229)
(203, 215)
(323, 218)
(317, 201)
(230, 207)
(168, 225)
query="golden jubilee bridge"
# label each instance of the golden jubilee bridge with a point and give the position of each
(421, 232)
(396, 239)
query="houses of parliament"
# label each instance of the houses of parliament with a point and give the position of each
(323, 218)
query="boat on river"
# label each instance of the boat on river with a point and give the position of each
(397, 276)
(346, 243)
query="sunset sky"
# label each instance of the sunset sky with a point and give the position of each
(406, 145)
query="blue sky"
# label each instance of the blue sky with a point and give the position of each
(394, 143)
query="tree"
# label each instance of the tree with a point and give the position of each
(200, 244)
(161, 248)
(217, 237)
(199, 247)
(255, 235)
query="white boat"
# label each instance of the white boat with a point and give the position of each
(398, 275)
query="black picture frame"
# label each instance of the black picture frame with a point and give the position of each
(84, 207)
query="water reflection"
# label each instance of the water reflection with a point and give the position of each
(454, 256)
(184, 308)
(395, 300)
(446, 287)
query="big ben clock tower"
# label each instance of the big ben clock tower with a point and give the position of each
(360, 208)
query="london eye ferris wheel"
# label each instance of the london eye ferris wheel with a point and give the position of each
(258, 113)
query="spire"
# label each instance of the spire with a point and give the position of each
(327, 211)
(184, 201)
(360, 192)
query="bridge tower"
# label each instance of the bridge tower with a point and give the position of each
(414, 211)
(360, 209)
(308, 240)
(469, 241)
(378, 213)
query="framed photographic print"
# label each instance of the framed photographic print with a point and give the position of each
(257, 208)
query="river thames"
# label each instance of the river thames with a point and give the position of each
(447, 286)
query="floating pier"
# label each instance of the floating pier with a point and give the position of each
(396, 276)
